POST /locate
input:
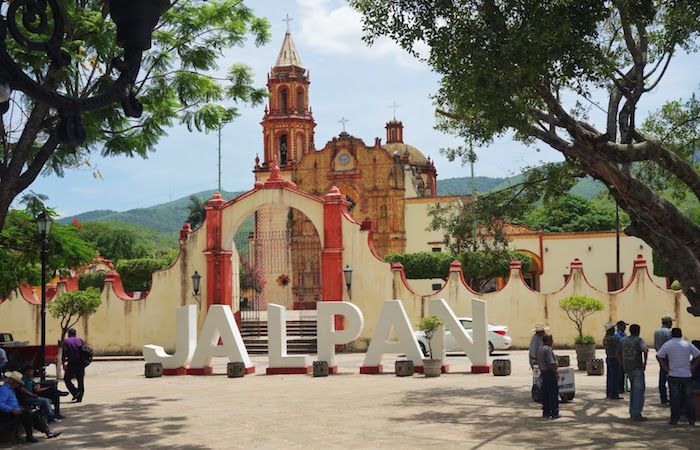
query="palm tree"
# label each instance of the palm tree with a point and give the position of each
(197, 213)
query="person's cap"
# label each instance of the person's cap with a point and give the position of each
(621, 322)
(609, 326)
(15, 376)
(539, 327)
(666, 319)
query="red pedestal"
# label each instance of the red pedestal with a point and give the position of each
(481, 369)
(249, 370)
(173, 372)
(445, 368)
(203, 371)
(371, 370)
(333, 370)
(288, 370)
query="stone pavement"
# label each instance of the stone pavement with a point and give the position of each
(122, 409)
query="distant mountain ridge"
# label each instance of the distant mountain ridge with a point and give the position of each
(169, 217)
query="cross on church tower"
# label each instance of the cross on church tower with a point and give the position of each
(287, 19)
(394, 106)
(343, 120)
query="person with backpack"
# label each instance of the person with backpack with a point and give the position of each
(74, 365)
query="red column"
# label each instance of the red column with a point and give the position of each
(219, 270)
(332, 254)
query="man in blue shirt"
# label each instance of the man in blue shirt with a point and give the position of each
(621, 326)
(10, 408)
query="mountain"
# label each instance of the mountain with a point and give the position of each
(166, 217)
(586, 187)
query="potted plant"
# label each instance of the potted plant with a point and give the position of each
(429, 325)
(578, 308)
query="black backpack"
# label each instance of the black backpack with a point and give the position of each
(85, 355)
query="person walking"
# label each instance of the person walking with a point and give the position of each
(661, 336)
(674, 358)
(73, 365)
(612, 360)
(549, 376)
(620, 334)
(536, 343)
(634, 361)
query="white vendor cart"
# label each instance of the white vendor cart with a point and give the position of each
(567, 385)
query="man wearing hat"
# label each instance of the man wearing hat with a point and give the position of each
(612, 359)
(9, 407)
(620, 334)
(536, 342)
(661, 336)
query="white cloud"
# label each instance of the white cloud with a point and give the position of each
(338, 30)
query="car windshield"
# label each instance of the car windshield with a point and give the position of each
(467, 324)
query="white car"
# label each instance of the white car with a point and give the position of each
(498, 336)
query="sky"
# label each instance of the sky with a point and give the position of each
(348, 80)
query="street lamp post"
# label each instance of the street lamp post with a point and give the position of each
(43, 224)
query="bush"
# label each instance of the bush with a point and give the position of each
(578, 308)
(136, 273)
(69, 307)
(585, 340)
(676, 285)
(91, 279)
(423, 265)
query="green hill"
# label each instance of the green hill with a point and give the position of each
(586, 187)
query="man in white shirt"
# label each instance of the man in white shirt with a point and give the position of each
(679, 369)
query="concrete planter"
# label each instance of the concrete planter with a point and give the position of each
(584, 352)
(320, 368)
(153, 370)
(432, 367)
(235, 370)
(595, 367)
(501, 367)
(404, 368)
(563, 360)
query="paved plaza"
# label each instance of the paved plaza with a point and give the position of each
(122, 409)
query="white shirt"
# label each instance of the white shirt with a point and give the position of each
(679, 353)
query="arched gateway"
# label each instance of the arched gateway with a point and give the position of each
(223, 219)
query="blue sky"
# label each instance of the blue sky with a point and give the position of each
(348, 79)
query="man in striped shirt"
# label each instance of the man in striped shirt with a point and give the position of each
(679, 369)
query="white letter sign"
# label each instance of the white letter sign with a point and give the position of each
(328, 336)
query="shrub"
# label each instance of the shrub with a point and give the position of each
(676, 285)
(136, 273)
(69, 307)
(91, 279)
(429, 325)
(578, 308)
(423, 265)
(585, 340)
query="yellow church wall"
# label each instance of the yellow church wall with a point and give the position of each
(418, 238)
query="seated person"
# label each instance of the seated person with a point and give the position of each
(10, 409)
(41, 395)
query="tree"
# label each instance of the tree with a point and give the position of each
(111, 241)
(197, 212)
(70, 307)
(578, 308)
(533, 67)
(178, 82)
(429, 325)
(572, 213)
(20, 251)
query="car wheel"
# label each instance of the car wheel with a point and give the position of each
(490, 348)
(423, 349)
(536, 393)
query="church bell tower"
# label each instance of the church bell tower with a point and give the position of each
(288, 124)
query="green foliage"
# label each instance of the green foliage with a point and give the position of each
(136, 273)
(661, 267)
(20, 251)
(197, 213)
(429, 325)
(584, 340)
(91, 279)
(112, 241)
(180, 82)
(70, 307)
(423, 265)
(676, 285)
(579, 307)
(573, 213)
(251, 277)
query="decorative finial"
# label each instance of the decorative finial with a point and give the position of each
(394, 106)
(343, 120)
(287, 19)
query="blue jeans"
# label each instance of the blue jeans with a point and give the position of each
(681, 388)
(550, 394)
(612, 384)
(44, 405)
(636, 377)
(663, 378)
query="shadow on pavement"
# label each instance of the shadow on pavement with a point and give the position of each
(508, 415)
(127, 424)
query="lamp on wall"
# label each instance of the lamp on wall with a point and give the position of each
(347, 275)
(196, 280)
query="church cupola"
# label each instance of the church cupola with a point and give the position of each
(288, 124)
(394, 132)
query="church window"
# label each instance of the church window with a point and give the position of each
(284, 97)
(283, 150)
(300, 100)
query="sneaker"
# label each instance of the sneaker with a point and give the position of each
(31, 440)
(55, 420)
(52, 434)
(616, 398)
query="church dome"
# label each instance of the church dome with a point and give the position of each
(415, 156)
